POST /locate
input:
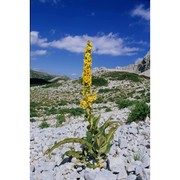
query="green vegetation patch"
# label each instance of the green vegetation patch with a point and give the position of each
(123, 103)
(115, 75)
(99, 81)
(106, 90)
(99, 100)
(140, 111)
(72, 111)
(108, 109)
(43, 125)
(60, 120)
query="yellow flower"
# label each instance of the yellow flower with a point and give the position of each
(89, 98)
(83, 104)
(99, 164)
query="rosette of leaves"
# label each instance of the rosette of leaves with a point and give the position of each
(95, 145)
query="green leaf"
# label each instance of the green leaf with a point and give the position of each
(89, 136)
(96, 121)
(107, 124)
(110, 135)
(84, 142)
(76, 154)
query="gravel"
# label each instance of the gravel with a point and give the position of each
(129, 157)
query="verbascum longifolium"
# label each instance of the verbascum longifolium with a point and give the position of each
(96, 144)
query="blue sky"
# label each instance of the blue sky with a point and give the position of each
(118, 29)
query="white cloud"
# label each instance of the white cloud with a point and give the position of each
(38, 52)
(109, 44)
(36, 40)
(141, 12)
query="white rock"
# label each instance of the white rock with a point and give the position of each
(69, 165)
(138, 170)
(105, 175)
(90, 174)
(146, 161)
(47, 175)
(133, 125)
(73, 160)
(123, 143)
(59, 176)
(130, 168)
(122, 173)
(131, 177)
(133, 130)
(116, 163)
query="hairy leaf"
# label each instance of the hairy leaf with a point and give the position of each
(84, 142)
(76, 154)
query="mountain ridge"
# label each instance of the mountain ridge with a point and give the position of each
(141, 67)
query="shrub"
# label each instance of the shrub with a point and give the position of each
(32, 120)
(139, 112)
(98, 81)
(104, 90)
(115, 75)
(147, 99)
(51, 111)
(43, 125)
(99, 100)
(33, 113)
(60, 120)
(108, 109)
(62, 103)
(72, 111)
(124, 103)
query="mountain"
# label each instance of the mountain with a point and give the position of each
(46, 76)
(141, 67)
(41, 75)
(42, 78)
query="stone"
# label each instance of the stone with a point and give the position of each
(133, 125)
(105, 175)
(138, 170)
(59, 176)
(74, 175)
(131, 177)
(73, 160)
(32, 168)
(69, 165)
(47, 175)
(130, 168)
(123, 143)
(136, 163)
(139, 177)
(90, 174)
(146, 161)
(115, 163)
(146, 174)
(130, 159)
(58, 160)
(122, 173)
(133, 131)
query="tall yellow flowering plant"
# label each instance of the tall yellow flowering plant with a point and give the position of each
(88, 96)
(96, 144)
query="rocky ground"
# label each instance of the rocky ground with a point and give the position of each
(129, 157)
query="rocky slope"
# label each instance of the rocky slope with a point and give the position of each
(130, 151)
(140, 67)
